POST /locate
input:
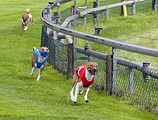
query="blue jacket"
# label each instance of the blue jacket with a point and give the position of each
(39, 64)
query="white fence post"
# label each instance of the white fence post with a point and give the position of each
(134, 7)
(131, 80)
(58, 13)
(114, 59)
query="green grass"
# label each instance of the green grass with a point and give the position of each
(140, 30)
(23, 98)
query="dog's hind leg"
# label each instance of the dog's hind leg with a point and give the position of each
(83, 91)
(25, 28)
(86, 95)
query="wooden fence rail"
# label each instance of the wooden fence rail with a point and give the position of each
(111, 74)
(97, 39)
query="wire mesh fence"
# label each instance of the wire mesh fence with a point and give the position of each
(138, 91)
(58, 56)
(129, 83)
(66, 13)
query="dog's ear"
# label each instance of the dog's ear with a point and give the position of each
(42, 48)
(34, 48)
(96, 65)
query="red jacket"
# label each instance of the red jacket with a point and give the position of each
(81, 73)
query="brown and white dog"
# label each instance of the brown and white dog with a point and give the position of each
(39, 59)
(27, 19)
(83, 76)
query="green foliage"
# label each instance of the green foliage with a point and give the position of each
(23, 98)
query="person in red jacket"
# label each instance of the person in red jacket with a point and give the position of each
(83, 76)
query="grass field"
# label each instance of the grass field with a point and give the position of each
(23, 98)
(141, 30)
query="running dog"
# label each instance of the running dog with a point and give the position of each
(26, 20)
(83, 76)
(39, 59)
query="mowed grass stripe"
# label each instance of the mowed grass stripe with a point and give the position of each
(23, 98)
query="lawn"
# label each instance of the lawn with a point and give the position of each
(140, 30)
(24, 98)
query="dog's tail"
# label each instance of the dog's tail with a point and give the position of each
(34, 48)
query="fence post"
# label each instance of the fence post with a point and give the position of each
(53, 53)
(71, 60)
(124, 9)
(154, 5)
(50, 16)
(43, 36)
(75, 9)
(109, 74)
(107, 14)
(74, 40)
(95, 16)
(74, 53)
(131, 80)
(97, 1)
(114, 60)
(145, 66)
(86, 2)
(88, 47)
(97, 30)
(73, 12)
(55, 15)
(58, 13)
(84, 20)
(75, 6)
(94, 20)
(134, 7)
(69, 52)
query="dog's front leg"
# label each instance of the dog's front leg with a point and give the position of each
(34, 66)
(86, 95)
(74, 82)
(72, 93)
(39, 74)
(40, 71)
(76, 91)
(32, 71)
